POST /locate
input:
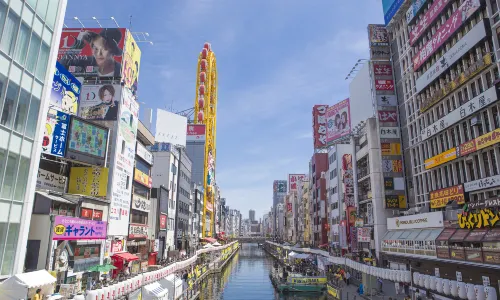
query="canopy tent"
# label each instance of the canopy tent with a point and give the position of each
(154, 291)
(302, 256)
(208, 246)
(208, 240)
(173, 284)
(18, 286)
(216, 244)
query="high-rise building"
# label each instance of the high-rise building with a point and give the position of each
(251, 215)
(319, 166)
(27, 64)
(183, 214)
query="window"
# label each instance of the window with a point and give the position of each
(32, 116)
(496, 116)
(10, 176)
(22, 44)
(22, 178)
(10, 33)
(22, 111)
(33, 52)
(142, 166)
(10, 246)
(493, 162)
(9, 105)
(41, 68)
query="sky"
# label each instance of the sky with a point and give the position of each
(275, 60)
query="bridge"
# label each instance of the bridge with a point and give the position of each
(253, 239)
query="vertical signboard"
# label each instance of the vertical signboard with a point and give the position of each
(131, 63)
(55, 133)
(338, 118)
(319, 126)
(123, 165)
(65, 93)
(293, 179)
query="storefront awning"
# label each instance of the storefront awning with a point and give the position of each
(53, 197)
(459, 236)
(445, 234)
(428, 234)
(388, 235)
(209, 240)
(125, 256)
(156, 290)
(476, 235)
(492, 236)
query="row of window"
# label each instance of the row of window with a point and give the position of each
(184, 193)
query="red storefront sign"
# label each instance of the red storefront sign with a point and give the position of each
(384, 85)
(382, 70)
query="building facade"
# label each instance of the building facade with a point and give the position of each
(184, 205)
(319, 167)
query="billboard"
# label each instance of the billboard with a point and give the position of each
(388, 116)
(474, 36)
(441, 158)
(384, 85)
(92, 52)
(70, 229)
(348, 180)
(391, 7)
(462, 14)
(319, 126)
(100, 102)
(378, 35)
(292, 181)
(87, 142)
(440, 198)
(131, 63)
(382, 69)
(339, 120)
(123, 163)
(419, 221)
(90, 181)
(195, 133)
(65, 93)
(55, 133)
(170, 128)
(389, 132)
(427, 19)
(390, 148)
(279, 186)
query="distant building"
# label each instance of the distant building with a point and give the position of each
(251, 215)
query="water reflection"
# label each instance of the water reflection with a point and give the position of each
(246, 276)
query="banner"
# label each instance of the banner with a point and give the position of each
(338, 118)
(440, 198)
(100, 102)
(69, 228)
(319, 126)
(454, 22)
(92, 52)
(90, 181)
(131, 63)
(55, 133)
(65, 93)
(427, 19)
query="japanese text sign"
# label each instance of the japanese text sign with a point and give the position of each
(319, 125)
(88, 181)
(348, 180)
(47, 180)
(384, 85)
(378, 35)
(389, 116)
(387, 100)
(390, 148)
(195, 132)
(427, 19)
(481, 184)
(395, 201)
(338, 117)
(389, 132)
(467, 9)
(441, 158)
(382, 70)
(141, 203)
(485, 203)
(392, 165)
(484, 218)
(143, 178)
(131, 62)
(65, 93)
(68, 228)
(138, 231)
(293, 179)
(55, 133)
(440, 198)
(163, 222)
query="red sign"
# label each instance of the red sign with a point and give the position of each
(163, 221)
(467, 147)
(86, 213)
(319, 126)
(382, 70)
(387, 116)
(78, 45)
(289, 207)
(293, 179)
(195, 132)
(116, 246)
(427, 19)
(97, 215)
(444, 32)
(384, 85)
(348, 180)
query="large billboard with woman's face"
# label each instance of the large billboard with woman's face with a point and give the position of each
(338, 118)
(100, 102)
(92, 52)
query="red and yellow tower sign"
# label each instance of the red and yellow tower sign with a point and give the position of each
(205, 106)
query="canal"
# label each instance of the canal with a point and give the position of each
(246, 277)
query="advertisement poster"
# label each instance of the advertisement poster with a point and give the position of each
(141, 203)
(143, 178)
(131, 63)
(348, 180)
(55, 133)
(90, 181)
(441, 198)
(123, 166)
(378, 35)
(319, 126)
(92, 52)
(163, 222)
(100, 102)
(279, 186)
(69, 228)
(47, 180)
(88, 138)
(65, 93)
(339, 120)
(293, 179)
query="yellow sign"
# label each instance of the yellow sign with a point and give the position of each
(131, 62)
(59, 229)
(88, 181)
(488, 139)
(333, 292)
(308, 280)
(484, 218)
(143, 178)
(441, 158)
(391, 148)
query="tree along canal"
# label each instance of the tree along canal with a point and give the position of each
(246, 277)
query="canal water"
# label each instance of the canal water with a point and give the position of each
(246, 277)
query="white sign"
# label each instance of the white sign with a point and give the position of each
(459, 276)
(461, 113)
(389, 132)
(482, 184)
(364, 234)
(141, 203)
(425, 220)
(47, 180)
(123, 166)
(138, 231)
(144, 153)
(451, 56)
(436, 272)
(387, 100)
(486, 281)
(170, 128)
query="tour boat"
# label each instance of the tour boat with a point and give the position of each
(298, 283)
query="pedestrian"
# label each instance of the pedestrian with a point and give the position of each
(380, 284)
(38, 295)
(396, 287)
(347, 277)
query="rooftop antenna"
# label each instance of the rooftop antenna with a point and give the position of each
(130, 23)
(76, 18)
(116, 23)
(95, 19)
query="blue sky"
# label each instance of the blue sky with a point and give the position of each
(275, 59)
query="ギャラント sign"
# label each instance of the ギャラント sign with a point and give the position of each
(69, 228)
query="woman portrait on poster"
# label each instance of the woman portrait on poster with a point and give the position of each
(104, 46)
(107, 109)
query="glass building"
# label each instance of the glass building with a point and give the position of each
(30, 31)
